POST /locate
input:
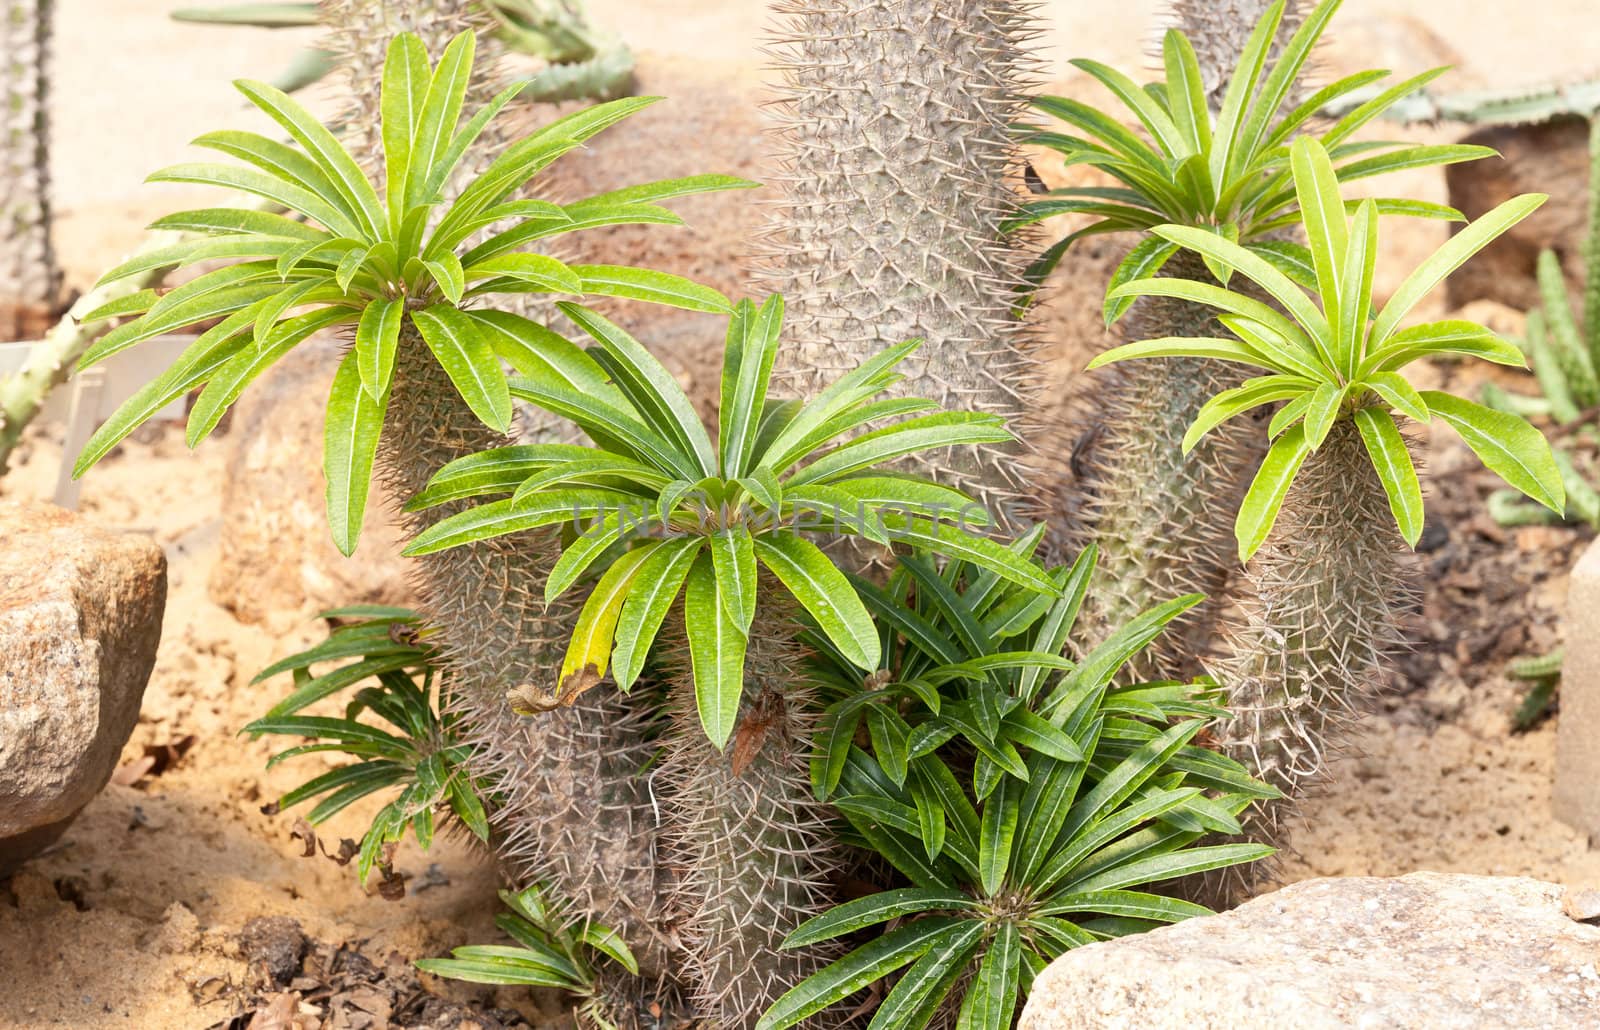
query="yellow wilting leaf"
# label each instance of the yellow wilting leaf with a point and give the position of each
(589, 652)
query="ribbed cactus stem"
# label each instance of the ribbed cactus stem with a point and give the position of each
(574, 815)
(896, 169)
(1317, 625)
(30, 280)
(746, 832)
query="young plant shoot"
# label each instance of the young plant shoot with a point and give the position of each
(1337, 498)
(419, 757)
(376, 263)
(674, 512)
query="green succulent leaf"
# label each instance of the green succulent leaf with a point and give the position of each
(1265, 497)
(1392, 460)
(352, 428)
(469, 361)
(716, 651)
(1506, 444)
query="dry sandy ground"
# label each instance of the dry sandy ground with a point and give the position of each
(130, 921)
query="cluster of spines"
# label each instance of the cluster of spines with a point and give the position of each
(1319, 618)
(896, 164)
(747, 839)
(1219, 30)
(30, 279)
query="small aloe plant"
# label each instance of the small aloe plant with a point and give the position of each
(375, 263)
(1337, 496)
(675, 513)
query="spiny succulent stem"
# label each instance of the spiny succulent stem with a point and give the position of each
(1317, 626)
(1162, 519)
(574, 814)
(746, 832)
(897, 162)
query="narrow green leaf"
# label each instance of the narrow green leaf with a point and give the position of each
(1147, 258)
(501, 518)
(469, 361)
(324, 149)
(1392, 460)
(405, 90)
(865, 965)
(589, 651)
(1507, 445)
(995, 835)
(649, 285)
(377, 339)
(441, 109)
(660, 579)
(921, 991)
(824, 592)
(878, 908)
(733, 559)
(1271, 484)
(716, 653)
(350, 441)
(991, 1001)
(1322, 211)
(1452, 255)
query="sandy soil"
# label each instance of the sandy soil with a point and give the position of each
(132, 920)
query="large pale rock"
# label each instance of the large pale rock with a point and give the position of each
(80, 618)
(1420, 952)
(277, 560)
(1577, 793)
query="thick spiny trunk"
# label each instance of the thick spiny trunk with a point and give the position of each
(1317, 625)
(755, 857)
(896, 173)
(575, 813)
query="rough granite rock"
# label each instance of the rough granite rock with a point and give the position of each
(277, 557)
(1577, 790)
(80, 618)
(1419, 952)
